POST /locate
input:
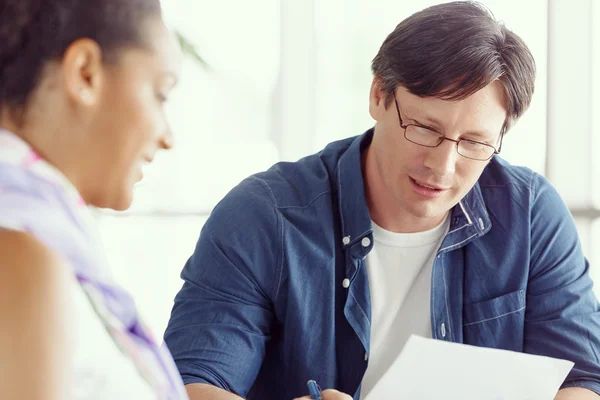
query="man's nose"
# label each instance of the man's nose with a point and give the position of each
(441, 160)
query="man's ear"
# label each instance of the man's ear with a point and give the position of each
(376, 99)
(82, 69)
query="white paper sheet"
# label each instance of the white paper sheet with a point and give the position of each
(430, 369)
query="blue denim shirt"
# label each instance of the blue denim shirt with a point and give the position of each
(263, 308)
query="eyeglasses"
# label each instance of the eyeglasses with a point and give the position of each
(427, 137)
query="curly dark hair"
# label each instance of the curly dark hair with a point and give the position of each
(451, 51)
(34, 32)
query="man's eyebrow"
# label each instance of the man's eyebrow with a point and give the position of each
(433, 123)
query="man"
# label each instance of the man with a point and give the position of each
(321, 269)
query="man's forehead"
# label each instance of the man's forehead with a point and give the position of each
(482, 114)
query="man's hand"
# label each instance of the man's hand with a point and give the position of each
(330, 394)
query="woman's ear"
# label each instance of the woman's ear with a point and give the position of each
(82, 69)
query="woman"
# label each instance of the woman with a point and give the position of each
(82, 89)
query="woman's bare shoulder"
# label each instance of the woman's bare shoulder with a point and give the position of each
(29, 263)
(35, 310)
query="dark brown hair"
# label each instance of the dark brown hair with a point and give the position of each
(450, 51)
(34, 32)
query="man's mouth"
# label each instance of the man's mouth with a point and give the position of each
(426, 186)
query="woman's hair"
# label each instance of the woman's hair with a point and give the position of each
(451, 51)
(34, 32)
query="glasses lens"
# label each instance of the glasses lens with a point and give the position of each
(474, 150)
(423, 136)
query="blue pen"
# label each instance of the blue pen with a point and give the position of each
(314, 390)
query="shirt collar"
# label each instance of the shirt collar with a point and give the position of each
(473, 211)
(355, 217)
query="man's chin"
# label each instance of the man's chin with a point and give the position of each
(430, 211)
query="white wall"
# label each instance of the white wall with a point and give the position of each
(573, 105)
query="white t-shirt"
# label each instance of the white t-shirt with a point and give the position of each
(399, 268)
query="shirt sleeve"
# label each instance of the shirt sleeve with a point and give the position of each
(222, 317)
(562, 317)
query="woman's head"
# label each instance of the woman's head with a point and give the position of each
(84, 82)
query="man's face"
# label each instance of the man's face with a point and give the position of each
(399, 172)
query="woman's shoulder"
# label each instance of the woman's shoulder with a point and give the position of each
(28, 263)
(52, 314)
(34, 308)
(33, 278)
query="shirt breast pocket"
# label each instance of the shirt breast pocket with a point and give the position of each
(497, 323)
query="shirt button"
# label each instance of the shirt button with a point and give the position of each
(365, 242)
(346, 283)
(346, 240)
(366, 356)
(443, 330)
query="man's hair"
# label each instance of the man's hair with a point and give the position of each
(450, 51)
(34, 32)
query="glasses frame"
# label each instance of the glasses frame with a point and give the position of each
(444, 137)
